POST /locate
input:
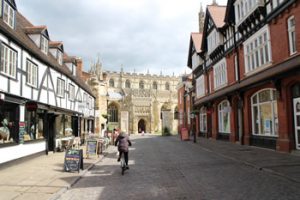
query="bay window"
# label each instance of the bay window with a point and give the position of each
(220, 74)
(257, 50)
(200, 87)
(264, 113)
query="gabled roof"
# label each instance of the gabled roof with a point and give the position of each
(195, 41)
(218, 14)
(37, 30)
(21, 38)
(229, 15)
(56, 44)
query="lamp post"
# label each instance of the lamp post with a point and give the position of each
(107, 96)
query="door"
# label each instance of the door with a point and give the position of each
(51, 131)
(297, 122)
(141, 126)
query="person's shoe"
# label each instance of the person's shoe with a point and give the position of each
(119, 159)
(127, 167)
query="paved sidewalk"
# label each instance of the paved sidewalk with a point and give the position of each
(41, 177)
(282, 164)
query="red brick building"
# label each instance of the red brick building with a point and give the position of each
(247, 76)
(184, 103)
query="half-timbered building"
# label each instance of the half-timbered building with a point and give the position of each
(43, 100)
(252, 65)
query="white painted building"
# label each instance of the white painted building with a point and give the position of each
(43, 100)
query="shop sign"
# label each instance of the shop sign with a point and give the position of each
(31, 106)
(21, 132)
(73, 160)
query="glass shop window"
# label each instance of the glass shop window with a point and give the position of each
(8, 123)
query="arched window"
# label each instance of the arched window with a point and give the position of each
(264, 113)
(224, 116)
(203, 119)
(142, 85)
(112, 113)
(111, 83)
(167, 86)
(154, 85)
(127, 84)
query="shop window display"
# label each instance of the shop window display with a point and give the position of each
(264, 113)
(8, 129)
(34, 126)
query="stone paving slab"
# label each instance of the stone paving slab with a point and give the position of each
(41, 177)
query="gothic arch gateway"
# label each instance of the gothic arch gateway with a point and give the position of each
(142, 126)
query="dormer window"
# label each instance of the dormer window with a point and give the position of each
(9, 15)
(44, 44)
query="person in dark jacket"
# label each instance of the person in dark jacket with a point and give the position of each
(123, 142)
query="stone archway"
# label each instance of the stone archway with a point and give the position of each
(141, 126)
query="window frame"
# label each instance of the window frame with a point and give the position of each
(200, 86)
(60, 89)
(127, 84)
(203, 119)
(44, 44)
(29, 69)
(111, 82)
(9, 19)
(258, 121)
(220, 74)
(8, 70)
(257, 51)
(142, 85)
(71, 92)
(292, 35)
(221, 117)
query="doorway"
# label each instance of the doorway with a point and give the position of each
(296, 103)
(50, 131)
(142, 126)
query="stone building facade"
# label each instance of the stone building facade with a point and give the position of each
(134, 102)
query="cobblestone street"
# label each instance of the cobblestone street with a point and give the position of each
(167, 168)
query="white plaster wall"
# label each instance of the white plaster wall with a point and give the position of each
(19, 151)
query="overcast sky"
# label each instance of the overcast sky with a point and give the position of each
(136, 34)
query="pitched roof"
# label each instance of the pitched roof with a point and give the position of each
(197, 39)
(218, 14)
(19, 36)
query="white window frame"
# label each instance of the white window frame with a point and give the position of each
(8, 15)
(44, 44)
(213, 41)
(8, 65)
(200, 86)
(71, 92)
(60, 87)
(203, 119)
(224, 110)
(292, 35)
(243, 8)
(220, 74)
(257, 50)
(274, 122)
(195, 60)
(32, 73)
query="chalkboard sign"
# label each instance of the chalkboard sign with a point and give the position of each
(21, 132)
(73, 160)
(91, 147)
